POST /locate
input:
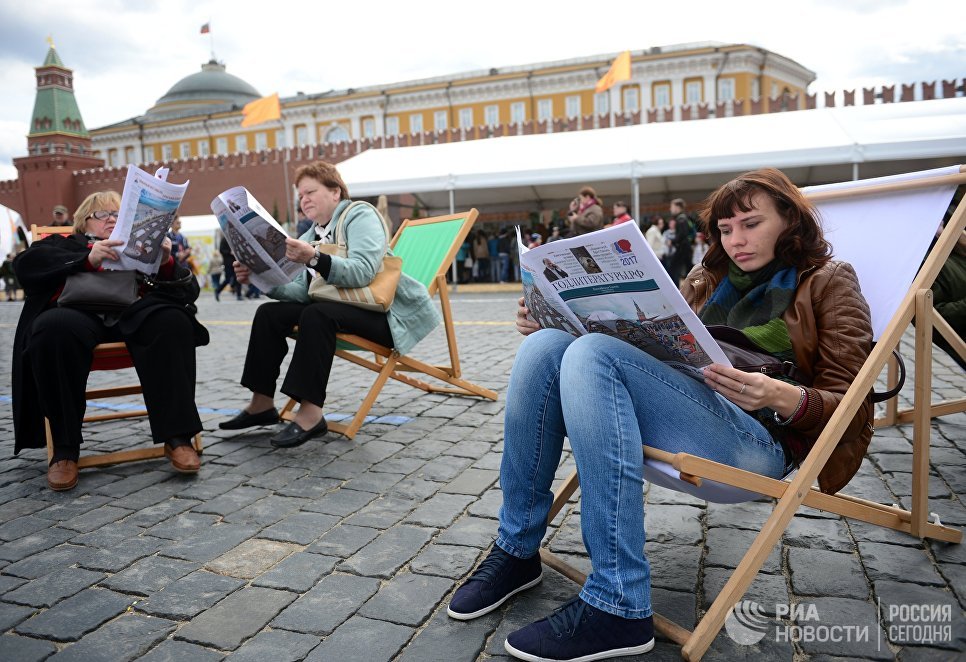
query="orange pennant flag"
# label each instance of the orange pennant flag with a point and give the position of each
(261, 110)
(620, 70)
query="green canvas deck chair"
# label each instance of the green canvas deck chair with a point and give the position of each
(857, 218)
(427, 247)
(107, 356)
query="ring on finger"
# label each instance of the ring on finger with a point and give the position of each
(743, 387)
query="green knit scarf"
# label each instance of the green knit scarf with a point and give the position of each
(754, 302)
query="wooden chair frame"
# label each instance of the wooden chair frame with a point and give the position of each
(116, 351)
(387, 363)
(798, 490)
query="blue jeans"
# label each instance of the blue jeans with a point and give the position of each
(616, 398)
(504, 267)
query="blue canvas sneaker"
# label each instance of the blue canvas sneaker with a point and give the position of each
(498, 577)
(576, 632)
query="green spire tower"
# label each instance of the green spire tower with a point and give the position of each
(56, 125)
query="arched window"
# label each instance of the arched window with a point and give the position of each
(336, 134)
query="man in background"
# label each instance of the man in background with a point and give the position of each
(61, 216)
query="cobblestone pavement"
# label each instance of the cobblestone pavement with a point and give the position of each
(349, 550)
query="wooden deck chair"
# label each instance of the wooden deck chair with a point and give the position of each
(427, 247)
(107, 356)
(903, 203)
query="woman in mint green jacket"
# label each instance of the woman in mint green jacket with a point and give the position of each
(323, 197)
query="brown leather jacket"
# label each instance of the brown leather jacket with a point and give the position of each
(831, 332)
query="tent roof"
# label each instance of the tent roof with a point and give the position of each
(811, 146)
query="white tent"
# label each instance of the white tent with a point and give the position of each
(658, 159)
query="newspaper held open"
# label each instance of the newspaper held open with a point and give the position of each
(149, 204)
(610, 281)
(256, 239)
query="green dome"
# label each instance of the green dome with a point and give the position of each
(210, 90)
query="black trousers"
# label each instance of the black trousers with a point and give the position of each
(318, 323)
(59, 353)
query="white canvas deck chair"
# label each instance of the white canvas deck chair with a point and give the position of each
(427, 247)
(884, 228)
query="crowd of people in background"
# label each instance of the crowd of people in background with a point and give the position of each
(491, 255)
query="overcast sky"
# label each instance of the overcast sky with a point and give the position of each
(126, 54)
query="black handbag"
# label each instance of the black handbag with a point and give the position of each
(747, 356)
(100, 291)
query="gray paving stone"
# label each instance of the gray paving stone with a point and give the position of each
(444, 469)
(678, 525)
(34, 543)
(276, 645)
(298, 572)
(265, 511)
(343, 540)
(109, 535)
(19, 507)
(149, 575)
(251, 558)
(448, 639)
(341, 469)
(407, 599)
(916, 615)
(212, 486)
(415, 487)
(859, 634)
(488, 505)
(236, 618)
(190, 595)
(8, 583)
(390, 551)
(76, 616)
(383, 512)
(827, 534)
(747, 515)
(726, 547)
(333, 600)
(25, 649)
(10, 615)
(277, 478)
(672, 566)
(210, 543)
(232, 500)
(50, 589)
(181, 651)
(160, 512)
(402, 466)
(472, 531)
(440, 511)
(49, 560)
(301, 528)
(341, 502)
(472, 481)
(445, 560)
(818, 572)
(137, 481)
(896, 563)
(127, 637)
(182, 526)
(121, 556)
(379, 640)
(22, 526)
(309, 487)
(767, 590)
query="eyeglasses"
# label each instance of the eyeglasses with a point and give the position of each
(102, 215)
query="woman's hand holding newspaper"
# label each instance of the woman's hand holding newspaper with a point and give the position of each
(525, 325)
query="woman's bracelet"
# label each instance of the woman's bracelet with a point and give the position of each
(799, 410)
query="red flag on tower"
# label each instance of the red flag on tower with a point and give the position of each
(206, 28)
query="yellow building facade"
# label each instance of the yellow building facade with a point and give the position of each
(201, 114)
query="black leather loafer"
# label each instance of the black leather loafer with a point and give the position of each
(293, 435)
(246, 420)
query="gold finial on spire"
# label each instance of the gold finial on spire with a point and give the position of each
(50, 40)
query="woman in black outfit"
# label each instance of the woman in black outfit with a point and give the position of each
(53, 345)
